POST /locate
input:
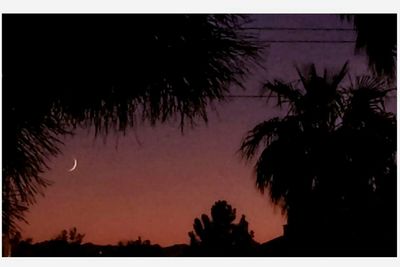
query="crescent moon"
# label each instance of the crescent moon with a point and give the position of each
(74, 167)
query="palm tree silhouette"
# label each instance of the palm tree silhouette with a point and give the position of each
(324, 161)
(377, 35)
(367, 144)
(109, 72)
(284, 165)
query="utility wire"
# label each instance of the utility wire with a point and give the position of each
(266, 96)
(303, 29)
(298, 29)
(310, 41)
(247, 96)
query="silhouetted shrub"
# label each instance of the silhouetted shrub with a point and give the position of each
(220, 236)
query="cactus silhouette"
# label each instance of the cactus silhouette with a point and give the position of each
(220, 236)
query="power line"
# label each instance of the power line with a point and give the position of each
(310, 41)
(266, 96)
(303, 29)
(298, 29)
(247, 96)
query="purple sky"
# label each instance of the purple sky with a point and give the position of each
(153, 182)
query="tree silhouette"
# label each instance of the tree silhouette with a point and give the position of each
(377, 35)
(139, 247)
(312, 113)
(109, 72)
(366, 145)
(324, 161)
(18, 244)
(68, 243)
(220, 236)
(72, 236)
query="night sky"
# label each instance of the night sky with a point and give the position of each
(154, 182)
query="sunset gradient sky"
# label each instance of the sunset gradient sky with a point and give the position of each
(154, 182)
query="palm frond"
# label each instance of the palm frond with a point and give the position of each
(109, 72)
(264, 131)
(307, 74)
(284, 92)
(173, 67)
(367, 95)
(337, 78)
(377, 35)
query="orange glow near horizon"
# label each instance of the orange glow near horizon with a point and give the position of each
(154, 182)
(138, 190)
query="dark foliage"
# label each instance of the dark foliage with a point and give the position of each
(377, 35)
(313, 112)
(330, 163)
(137, 248)
(69, 244)
(72, 236)
(220, 236)
(106, 71)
